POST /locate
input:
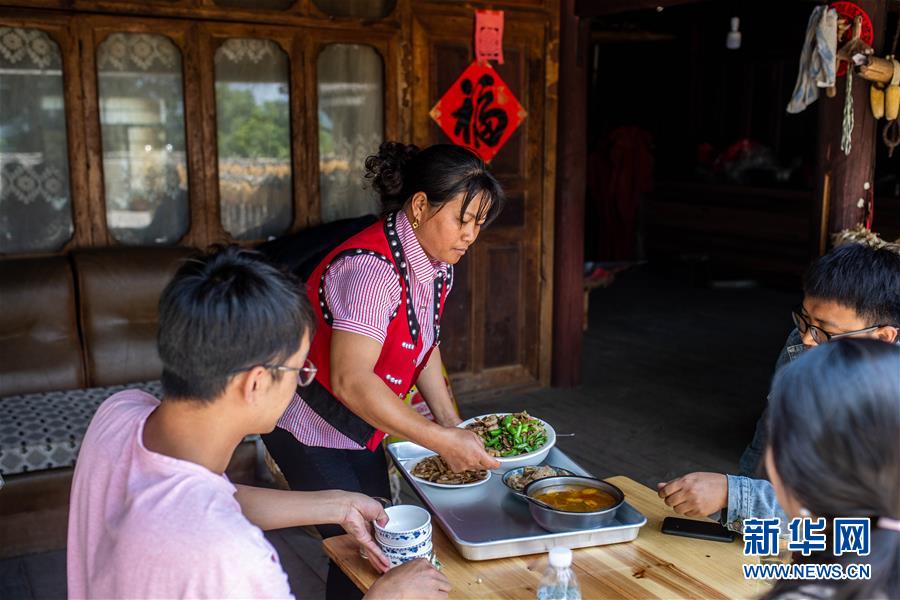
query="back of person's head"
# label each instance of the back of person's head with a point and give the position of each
(860, 277)
(834, 422)
(441, 172)
(223, 312)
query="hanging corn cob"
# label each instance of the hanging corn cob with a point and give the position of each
(884, 74)
(892, 94)
(876, 100)
(892, 97)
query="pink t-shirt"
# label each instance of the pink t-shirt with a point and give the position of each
(145, 525)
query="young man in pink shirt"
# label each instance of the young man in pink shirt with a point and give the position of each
(152, 514)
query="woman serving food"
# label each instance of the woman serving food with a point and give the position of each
(378, 299)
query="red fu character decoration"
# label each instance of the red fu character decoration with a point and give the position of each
(479, 111)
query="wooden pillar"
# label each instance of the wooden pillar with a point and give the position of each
(568, 278)
(842, 196)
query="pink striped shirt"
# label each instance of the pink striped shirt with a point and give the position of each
(363, 292)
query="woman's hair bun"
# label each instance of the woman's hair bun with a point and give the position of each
(385, 171)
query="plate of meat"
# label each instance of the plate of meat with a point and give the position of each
(433, 470)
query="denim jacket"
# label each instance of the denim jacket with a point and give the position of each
(748, 497)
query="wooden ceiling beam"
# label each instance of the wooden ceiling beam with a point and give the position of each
(603, 8)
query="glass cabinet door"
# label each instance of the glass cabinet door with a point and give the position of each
(351, 127)
(142, 129)
(254, 138)
(35, 207)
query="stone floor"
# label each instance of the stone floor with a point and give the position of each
(675, 376)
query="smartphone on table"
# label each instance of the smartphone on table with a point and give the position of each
(703, 530)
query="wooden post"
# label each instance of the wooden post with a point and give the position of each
(568, 277)
(844, 185)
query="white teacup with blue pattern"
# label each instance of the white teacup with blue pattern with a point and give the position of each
(398, 556)
(408, 526)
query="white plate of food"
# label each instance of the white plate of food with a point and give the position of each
(516, 439)
(432, 470)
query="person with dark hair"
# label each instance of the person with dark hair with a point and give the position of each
(834, 451)
(378, 298)
(152, 514)
(852, 291)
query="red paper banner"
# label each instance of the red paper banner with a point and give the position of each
(489, 35)
(479, 111)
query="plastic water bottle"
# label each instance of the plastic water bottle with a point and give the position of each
(558, 582)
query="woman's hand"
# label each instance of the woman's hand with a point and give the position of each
(463, 450)
(358, 511)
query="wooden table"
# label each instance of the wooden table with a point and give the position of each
(652, 566)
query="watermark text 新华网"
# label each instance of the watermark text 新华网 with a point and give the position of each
(806, 536)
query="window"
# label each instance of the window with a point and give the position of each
(35, 207)
(351, 127)
(254, 138)
(121, 165)
(142, 129)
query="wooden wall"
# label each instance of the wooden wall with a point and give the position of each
(497, 330)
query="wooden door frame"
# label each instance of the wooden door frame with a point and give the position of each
(520, 374)
(568, 314)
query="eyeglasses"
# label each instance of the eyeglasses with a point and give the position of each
(820, 335)
(305, 374)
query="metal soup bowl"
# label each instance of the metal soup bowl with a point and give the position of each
(559, 521)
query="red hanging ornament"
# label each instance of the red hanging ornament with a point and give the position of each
(849, 11)
(489, 35)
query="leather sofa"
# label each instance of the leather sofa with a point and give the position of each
(73, 330)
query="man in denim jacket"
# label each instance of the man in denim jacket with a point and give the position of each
(854, 290)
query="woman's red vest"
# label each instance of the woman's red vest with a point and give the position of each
(403, 343)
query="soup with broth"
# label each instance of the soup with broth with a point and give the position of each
(576, 498)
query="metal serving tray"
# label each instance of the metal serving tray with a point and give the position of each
(487, 521)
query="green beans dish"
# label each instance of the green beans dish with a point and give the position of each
(510, 435)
